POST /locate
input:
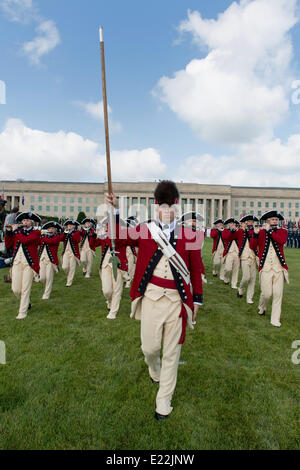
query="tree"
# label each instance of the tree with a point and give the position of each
(81, 216)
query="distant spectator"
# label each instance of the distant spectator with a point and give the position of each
(11, 218)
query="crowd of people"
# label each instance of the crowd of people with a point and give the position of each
(161, 261)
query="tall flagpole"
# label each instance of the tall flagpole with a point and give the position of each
(114, 259)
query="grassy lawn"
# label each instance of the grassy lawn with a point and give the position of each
(75, 380)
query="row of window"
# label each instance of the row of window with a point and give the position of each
(71, 210)
(267, 204)
(63, 199)
(259, 213)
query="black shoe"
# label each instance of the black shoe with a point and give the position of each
(154, 381)
(239, 296)
(262, 314)
(29, 306)
(215, 275)
(226, 283)
(159, 416)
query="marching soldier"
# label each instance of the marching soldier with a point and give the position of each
(70, 255)
(88, 246)
(273, 270)
(112, 288)
(50, 240)
(25, 242)
(167, 267)
(218, 248)
(247, 257)
(231, 252)
(194, 221)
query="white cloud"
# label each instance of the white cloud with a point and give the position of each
(271, 163)
(238, 91)
(21, 11)
(47, 39)
(95, 110)
(37, 155)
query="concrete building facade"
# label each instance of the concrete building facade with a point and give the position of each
(65, 199)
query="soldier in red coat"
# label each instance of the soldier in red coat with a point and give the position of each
(50, 240)
(231, 252)
(88, 246)
(247, 257)
(112, 288)
(273, 270)
(25, 242)
(70, 255)
(218, 248)
(168, 269)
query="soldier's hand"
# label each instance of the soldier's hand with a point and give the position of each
(196, 308)
(15, 226)
(111, 200)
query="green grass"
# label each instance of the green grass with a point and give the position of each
(75, 380)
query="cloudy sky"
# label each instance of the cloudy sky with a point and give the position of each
(198, 91)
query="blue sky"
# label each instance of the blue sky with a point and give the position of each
(178, 128)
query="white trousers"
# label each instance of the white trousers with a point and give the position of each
(87, 258)
(232, 265)
(218, 262)
(271, 284)
(161, 327)
(248, 278)
(111, 288)
(69, 262)
(22, 277)
(47, 270)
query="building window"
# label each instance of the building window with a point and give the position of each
(151, 207)
(47, 208)
(244, 203)
(55, 208)
(236, 213)
(297, 205)
(252, 212)
(40, 208)
(72, 200)
(259, 204)
(32, 208)
(96, 200)
(290, 214)
(47, 199)
(87, 200)
(259, 213)
(95, 210)
(87, 209)
(32, 199)
(40, 199)
(64, 199)
(183, 205)
(72, 209)
(267, 204)
(274, 204)
(80, 200)
(64, 209)
(56, 199)
(236, 203)
(296, 214)
(251, 204)
(79, 209)
(290, 205)
(282, 205)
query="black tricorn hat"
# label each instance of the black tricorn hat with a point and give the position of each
(88, 219)
(2, 202)
(166, 192)
(270, 214)
(71, 222)
(192, 215)
(219, 221)
(51, 224)
(231, 220)
(28, 215)
(249, 217)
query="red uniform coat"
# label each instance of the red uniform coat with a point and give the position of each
(106, 245)
(242, 236)
(92, 237)
(183, 241)
(262, 240)
(50, 243)
(28, 241)
(74, 237)
(228, 237)
(216, 235)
